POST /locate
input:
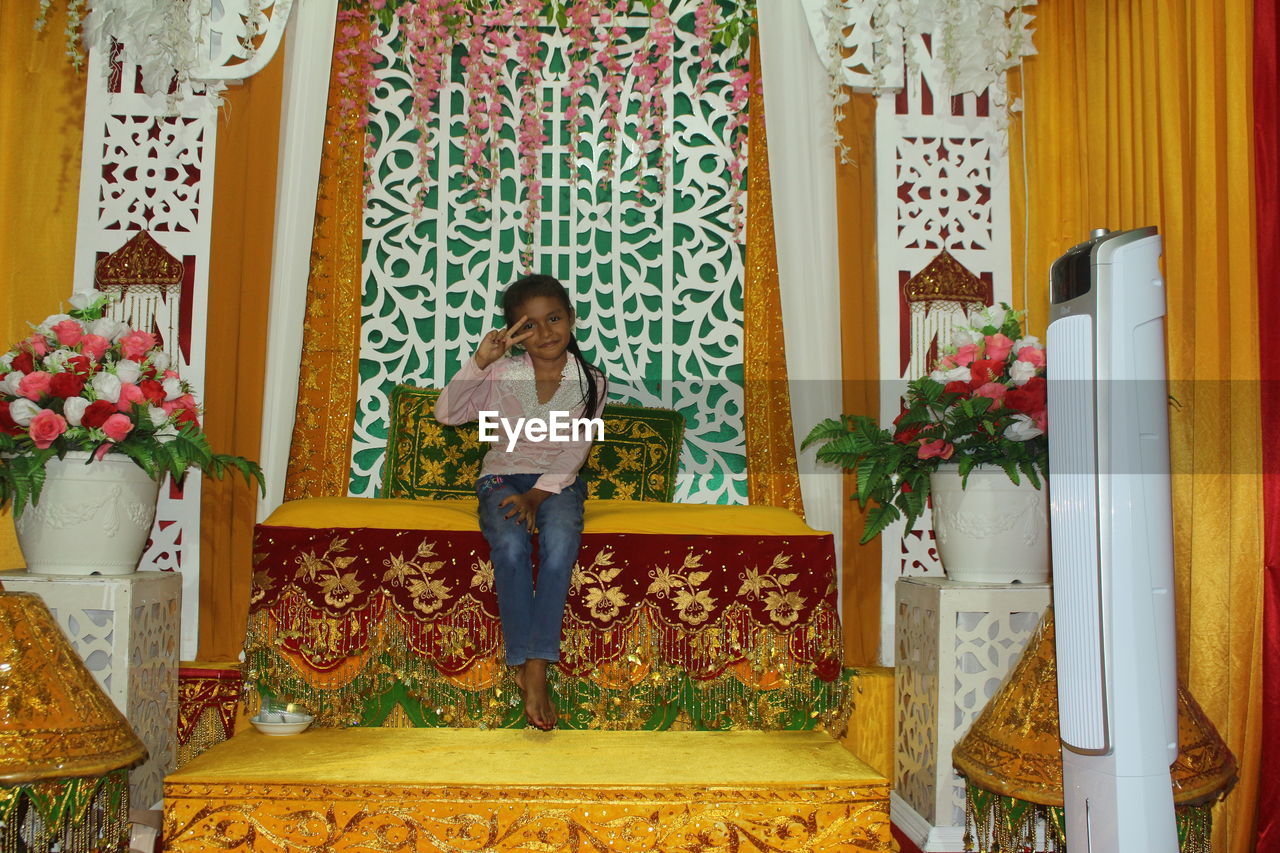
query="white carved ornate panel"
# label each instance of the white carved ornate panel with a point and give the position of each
(147, 163)
(954, 645)
(942, 182)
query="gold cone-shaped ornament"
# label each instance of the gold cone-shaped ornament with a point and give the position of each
(65, 749)
(1012, 758)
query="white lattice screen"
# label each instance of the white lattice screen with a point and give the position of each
(657, 279)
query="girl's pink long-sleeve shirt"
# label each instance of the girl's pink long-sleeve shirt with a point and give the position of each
(509, 388)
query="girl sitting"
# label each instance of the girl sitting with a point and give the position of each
(529, 484)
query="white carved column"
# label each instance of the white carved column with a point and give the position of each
(942, 182)
(148, 162)
(955, 643)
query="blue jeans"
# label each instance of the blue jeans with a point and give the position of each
(531, 617)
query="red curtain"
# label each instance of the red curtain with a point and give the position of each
(1266, 126)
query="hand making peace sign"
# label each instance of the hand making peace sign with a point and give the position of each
(494, 345)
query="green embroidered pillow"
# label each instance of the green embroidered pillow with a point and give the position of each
(637, 460)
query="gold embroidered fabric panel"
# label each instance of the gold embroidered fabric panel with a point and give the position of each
(319, 463)
(733, 630)
(199, 818)
(772, 477)
(371, 789)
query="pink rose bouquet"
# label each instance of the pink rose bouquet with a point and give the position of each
(983, 404)
(83, 381)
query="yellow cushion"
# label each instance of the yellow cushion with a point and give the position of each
(614, 516)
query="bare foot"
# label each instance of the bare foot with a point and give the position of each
(538, 708)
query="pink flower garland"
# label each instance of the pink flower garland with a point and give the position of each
(529, 136)
(429, 44)
(431, 28)
(579, 30)
(652, 74)
(704, 22)
(609, 34)
(736, 135)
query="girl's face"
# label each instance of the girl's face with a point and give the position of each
(551, 324)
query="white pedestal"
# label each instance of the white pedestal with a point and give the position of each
(126, 629)
(954, 644)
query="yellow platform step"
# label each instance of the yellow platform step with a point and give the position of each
(437, 790)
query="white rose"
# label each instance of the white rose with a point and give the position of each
(160, 361)
(73, 409)
(1021, 371)
(172, 388)
(1028, 341)
(955, 374)
(110, 329)
(82, 299)
(107, 387)
(158, 416)
(128, 371)
(9, 385)
(46, 328)
(1022, 429)
(6, 362)
(22, 411)
(56, 361)
(961, 336)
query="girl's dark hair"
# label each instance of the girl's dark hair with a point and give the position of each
(532, 286)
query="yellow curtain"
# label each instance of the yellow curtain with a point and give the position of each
(41, 131)
(772, 477)
(860, 363)
(244, 198)
(1138, 112)
(320, 453)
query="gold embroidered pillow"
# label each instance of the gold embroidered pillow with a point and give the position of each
(637, 460)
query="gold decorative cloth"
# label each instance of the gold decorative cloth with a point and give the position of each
(208, 704)
(451, 790)
(944, 279)
(140, 264)
(1013, 751)
(659, 611)
(772, 476)
(319, 456)
(869, 730)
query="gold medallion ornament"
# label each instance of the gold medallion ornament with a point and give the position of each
(65, 749)
(1012, 760)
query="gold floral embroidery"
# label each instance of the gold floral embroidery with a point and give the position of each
(429, 593)
(340, 589)
(482, 576)
(605, 602)
(310, 566)
(783, 605)
(680, 585)
(327, 571)
(262, 582)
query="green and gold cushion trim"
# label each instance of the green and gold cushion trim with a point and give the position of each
(637, 460)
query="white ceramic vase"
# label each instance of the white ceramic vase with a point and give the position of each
(991, 531)
(91, 519)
